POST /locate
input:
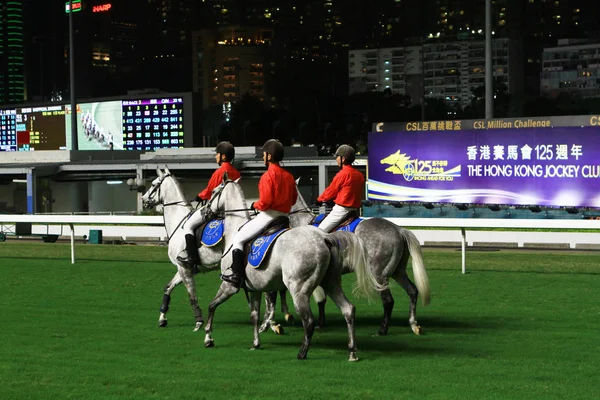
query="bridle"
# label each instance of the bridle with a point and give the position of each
(156, 189)
(217, 197)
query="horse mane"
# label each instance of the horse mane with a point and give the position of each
(180, 191)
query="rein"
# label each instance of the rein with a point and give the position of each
(218, 197)
(179, 202)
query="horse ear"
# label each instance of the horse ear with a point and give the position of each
(225, 177)
(167, 170)
(298, 181)
(159, 173)
(238, 180)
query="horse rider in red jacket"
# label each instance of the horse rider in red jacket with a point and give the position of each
(346, 190)
(225, 153)
(277, 194)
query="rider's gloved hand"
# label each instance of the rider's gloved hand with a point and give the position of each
(198, 199)
(252, 205)
(330, 203)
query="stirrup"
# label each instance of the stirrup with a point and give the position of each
(188, 260)
(234, 279)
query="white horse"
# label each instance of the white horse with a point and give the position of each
(300, 259)
(165, 190)
(388, 248)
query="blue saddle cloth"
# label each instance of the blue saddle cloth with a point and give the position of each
(351, 227)
(213, 233)
(260, 247)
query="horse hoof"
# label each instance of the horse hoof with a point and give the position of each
(198, 326)
(301, 356)
(209, 343)
(278, 329)
(416, 329)
(289, 318)
(352, 358)
(162, 323)
(255, 347)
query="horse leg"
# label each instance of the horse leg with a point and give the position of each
(289, 318)
(411, 290)
(321, 299)
(188, 279)
(335, 292)
(388, 305)
(226, 290)
(302, 305)
(164, 307)
(255, 310)
(268, 319)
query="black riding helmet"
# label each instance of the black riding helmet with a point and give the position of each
(347, 152)
(274, 148)
(227, 149)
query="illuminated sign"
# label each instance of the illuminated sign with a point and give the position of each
(482, 124)
(76, 6)
(555, 167)
(101, 8)
(153, 124)
(133, 124)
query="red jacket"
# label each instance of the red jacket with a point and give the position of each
(346, 189)
(217, 178)
(277, 190)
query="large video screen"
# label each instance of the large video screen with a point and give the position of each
(153, 124)
(143, 124)
(99, 126)
(8, 130)
(33, 128)
(555, 167)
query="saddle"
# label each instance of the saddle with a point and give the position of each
(257, 249)
(345, 224)
(209, 233)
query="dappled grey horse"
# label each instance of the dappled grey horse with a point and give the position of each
(299, 260)
(388, 248)
(165, 190)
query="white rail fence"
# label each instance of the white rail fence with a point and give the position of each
(125, 227)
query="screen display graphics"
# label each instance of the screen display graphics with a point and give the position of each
(32, 128)
(144, 125)
(153, 124)
(556, 167)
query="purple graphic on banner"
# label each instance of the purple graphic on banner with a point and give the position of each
(539, 166)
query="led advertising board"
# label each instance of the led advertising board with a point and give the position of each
(138, 124)
(556, 167)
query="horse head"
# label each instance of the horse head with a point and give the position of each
(164, 189)
(301, 213)
(227, 196)
(398, 162)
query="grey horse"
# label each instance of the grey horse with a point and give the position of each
(165, 190)
(388, 249)
(300, 260)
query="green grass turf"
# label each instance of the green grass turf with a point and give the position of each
(519, 325)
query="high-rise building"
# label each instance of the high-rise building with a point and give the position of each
(166, 31)
(573, 67)
(12, 73)
(398, 69)
(451, 70)
(230, 62)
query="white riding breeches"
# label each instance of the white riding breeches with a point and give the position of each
(254, 227)
(194, 221)
(335, 217)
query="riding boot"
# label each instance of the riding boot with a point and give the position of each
(190, 254)
(237, 269)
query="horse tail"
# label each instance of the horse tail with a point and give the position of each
(419, 272)
(352, 255)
